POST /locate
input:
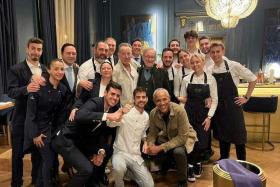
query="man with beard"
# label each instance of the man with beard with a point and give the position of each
(131, 130)
(204, 45)
(167, 60)
(90, 69)
(112, 49)
(24, 78)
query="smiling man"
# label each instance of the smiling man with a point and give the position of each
(21, 82)
(170, 135)
(127, 155)
(83, 143)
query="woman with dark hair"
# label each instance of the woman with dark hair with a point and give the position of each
(185, 70)
(99, 85)
(46, 111)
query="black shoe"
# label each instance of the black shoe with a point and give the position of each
(207, 155)
(182, 184)
(191, 177)
(197, 170)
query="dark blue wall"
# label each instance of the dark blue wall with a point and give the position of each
(244, 43)
(25, 17)
(164, 9)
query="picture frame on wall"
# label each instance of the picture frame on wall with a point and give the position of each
(139, 26)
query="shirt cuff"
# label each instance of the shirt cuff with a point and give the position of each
(101, 151)
(104, 117)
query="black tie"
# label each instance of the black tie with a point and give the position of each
(136, 59)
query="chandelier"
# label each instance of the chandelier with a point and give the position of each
(230, 11)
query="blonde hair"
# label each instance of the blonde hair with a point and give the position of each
(199, 56)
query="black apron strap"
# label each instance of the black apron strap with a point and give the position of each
(94, 66)
(205, 78)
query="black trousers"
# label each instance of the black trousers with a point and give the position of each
(17, 157)
(225, 149)
(45, 171)
(178, 154)
(196, 155)
(86, 171)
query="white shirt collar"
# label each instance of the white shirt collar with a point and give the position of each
(30, 65)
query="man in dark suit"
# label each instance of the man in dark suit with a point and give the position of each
(136, 46)
(83, 143)
(69, 56)
(151, 77)
(113, 59)
(23, 78)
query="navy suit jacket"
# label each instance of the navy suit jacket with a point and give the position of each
(71, 94)
(88, 131)
(19, 77)
(86, 95)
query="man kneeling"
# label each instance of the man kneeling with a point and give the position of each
(132, 128)
(170, 134)
(83, 143)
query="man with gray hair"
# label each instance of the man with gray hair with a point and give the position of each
(170, 135)
(112, 43)
(151, 77)
(125, 73)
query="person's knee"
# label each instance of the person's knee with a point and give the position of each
(179, 151)
(86, 170)
(119, 168)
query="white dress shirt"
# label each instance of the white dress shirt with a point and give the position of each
(211, 81)
(101, 90)
(236, 70)
(35, 70)
(66, 66)
(136, 62)
(178, 79)
(131, 130)
(171, 73)
(86, 70)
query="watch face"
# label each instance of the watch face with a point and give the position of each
(200, 2)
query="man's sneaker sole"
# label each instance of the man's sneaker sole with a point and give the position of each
(197, 176)
(191, 179)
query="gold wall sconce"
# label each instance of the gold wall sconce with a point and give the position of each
(183, 21)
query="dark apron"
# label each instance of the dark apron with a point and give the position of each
(196, 110)
(171, 86)
(228, 121)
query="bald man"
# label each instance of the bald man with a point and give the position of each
(170, 135)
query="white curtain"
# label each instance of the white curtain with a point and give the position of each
(64, 14)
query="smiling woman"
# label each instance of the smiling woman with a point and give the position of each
(46, 112)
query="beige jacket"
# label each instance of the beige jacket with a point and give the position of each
(177, 132)
(127, 80)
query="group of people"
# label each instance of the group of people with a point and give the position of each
(124, 106)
